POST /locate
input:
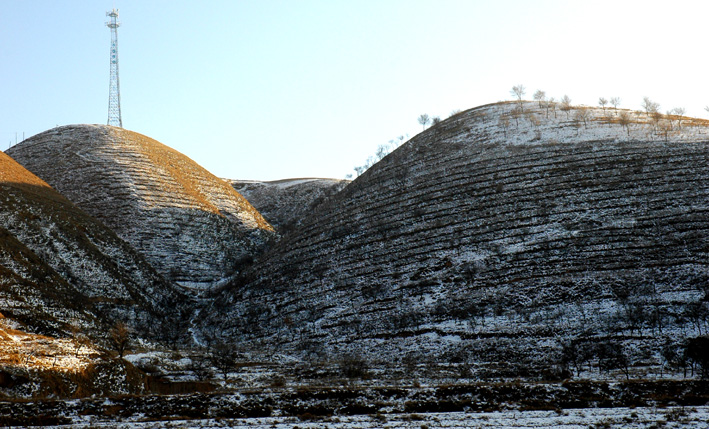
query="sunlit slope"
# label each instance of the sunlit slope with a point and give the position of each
(192, 226)
(498, 233)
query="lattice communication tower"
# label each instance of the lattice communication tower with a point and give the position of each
(114, 87)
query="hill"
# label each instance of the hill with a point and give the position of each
(59, 264)
(285, 203)
(191, 226)
(506, 238)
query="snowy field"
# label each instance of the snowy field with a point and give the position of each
(684, 417)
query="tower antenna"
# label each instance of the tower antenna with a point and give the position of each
(114, 87)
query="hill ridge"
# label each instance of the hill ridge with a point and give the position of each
(476, 236)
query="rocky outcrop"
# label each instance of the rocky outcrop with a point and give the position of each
(62, 271)
(286, 203)
(191, 226)
(497, 236)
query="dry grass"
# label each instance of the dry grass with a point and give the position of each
(27, 351)
(11, 171)
(187, 174)
(13, 175)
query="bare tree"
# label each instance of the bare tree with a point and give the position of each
(79, 338)
(424, 120)
(650, 106)
(200, 366)
(602, 102)
(518, 92)
(120, 338)
(224, 357)
(624, 120)
(435, 120)
(382, 151)
(533, 119)
(612, 355)
(399, 141)
(516, 113)
(665, 127)
(551, 104)
(679, 112)
(582, 115)
(576, 122)
(504, 122)
(615, 102)
(698, 351)
(540, 96)
(656, 117)
(706, 108)
(566, 105)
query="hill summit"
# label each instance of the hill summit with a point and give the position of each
(193, 227)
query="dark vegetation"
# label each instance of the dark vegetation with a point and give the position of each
(312, 404)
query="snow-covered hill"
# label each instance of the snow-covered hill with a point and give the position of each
(192, 227)
(285, 203)
(505, 237)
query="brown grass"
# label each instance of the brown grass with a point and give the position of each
(187, 174)
(11, 171)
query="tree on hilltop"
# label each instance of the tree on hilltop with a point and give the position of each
(518, 92)
(615, 102)
(650, 106)
(565, 104)
(540, 96)
(424, 120)
(602, 102)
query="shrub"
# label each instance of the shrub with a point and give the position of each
(353, 366)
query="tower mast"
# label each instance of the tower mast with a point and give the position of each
(114, 87)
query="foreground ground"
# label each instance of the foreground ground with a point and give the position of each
(582, 403)
(686, 417)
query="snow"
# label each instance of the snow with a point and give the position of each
(640, 417)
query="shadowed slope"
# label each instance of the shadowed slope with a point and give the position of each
(192, 226)
(61, 270)
(286, 203)
(494, 237)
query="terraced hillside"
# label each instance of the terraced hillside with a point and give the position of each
(191, 226)
(61, 271)
(285, 203)
(504, 238)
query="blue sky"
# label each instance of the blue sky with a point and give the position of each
(278, 89)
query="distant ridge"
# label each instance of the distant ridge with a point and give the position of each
(287, 202)
(193, 227)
